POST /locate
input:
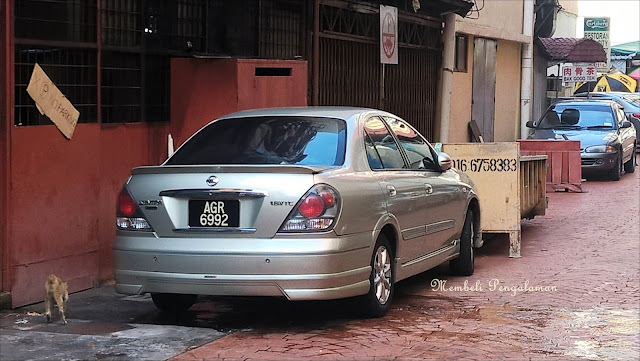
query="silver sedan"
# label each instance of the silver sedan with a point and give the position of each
(310, 203)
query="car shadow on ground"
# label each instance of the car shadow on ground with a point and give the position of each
(101, 310)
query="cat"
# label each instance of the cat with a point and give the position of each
(56, 290)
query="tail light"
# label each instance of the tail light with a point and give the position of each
(636, 115)
(316, 211)
(128, 215)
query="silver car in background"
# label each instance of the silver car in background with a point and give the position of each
(311, 203)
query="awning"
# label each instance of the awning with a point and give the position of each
(574, 50)
(627, 48)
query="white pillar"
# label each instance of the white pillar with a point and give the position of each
(448, 62)
(526, 86)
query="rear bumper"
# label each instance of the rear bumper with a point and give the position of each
(309, 269)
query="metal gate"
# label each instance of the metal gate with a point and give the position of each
(350, 72)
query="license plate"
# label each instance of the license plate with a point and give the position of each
(214, 213)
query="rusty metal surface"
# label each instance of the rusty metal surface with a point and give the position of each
(411, 89)
(350, 72)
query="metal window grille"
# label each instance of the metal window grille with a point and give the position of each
(350, 69)
(72, 70)
(338, 20)
(232, 27)
(120, 88)
(362, 23)
(272, 29)
(281, 26)
(60, 20)
(120, 22)
(177, 25)
(188, 27)
(137, 39)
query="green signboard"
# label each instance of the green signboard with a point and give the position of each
(596, 24)
(598, 30)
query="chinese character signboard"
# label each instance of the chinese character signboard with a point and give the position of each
(576, 73)
(388, 35)
(598, 30)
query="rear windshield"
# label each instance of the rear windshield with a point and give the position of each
(578, 116)
(266, 140)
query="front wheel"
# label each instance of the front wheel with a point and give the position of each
(378, 300)
(465, 263)
(630, 165)
(173, 302)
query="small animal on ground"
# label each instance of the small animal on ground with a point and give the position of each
(56, 290)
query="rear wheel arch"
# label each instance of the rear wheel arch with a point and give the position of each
(387, 225)
(391, 233)
(474, 206)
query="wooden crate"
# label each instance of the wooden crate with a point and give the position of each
(510, 187)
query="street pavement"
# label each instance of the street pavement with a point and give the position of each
(574, 295)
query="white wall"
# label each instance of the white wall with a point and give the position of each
(565, 25)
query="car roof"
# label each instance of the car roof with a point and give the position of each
(339, 112)
(605, 94)
(583, 101)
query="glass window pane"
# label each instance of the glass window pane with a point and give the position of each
(384, 143)
(417, 149)
(372, 155)
(266, 140)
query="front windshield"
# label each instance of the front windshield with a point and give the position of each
(578, 116)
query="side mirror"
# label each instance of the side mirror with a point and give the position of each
(625, 124)
(444, 161)
(530, 124)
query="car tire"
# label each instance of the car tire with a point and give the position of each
(616, 174)
(630, 165)
(378, 300)
(173, 302)
(465, 263)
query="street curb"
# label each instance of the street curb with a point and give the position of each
(5, 300)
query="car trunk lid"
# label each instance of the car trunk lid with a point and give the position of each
(219, 201)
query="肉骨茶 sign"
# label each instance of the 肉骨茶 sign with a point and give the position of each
(51, 102)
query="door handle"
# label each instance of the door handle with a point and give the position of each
(428, 188)
(392, 191)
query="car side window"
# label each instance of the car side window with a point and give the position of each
(416, 147)
(621, 116)
(372, 154)
(382, 150)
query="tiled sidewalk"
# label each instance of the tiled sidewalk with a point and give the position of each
(580, 267)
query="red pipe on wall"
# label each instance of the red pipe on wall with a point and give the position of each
(6, 124)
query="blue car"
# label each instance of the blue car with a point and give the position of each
(629, 101)
(607, 137)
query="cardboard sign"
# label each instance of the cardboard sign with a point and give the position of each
(51, 102)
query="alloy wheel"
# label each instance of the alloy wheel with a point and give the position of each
(382, 275)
